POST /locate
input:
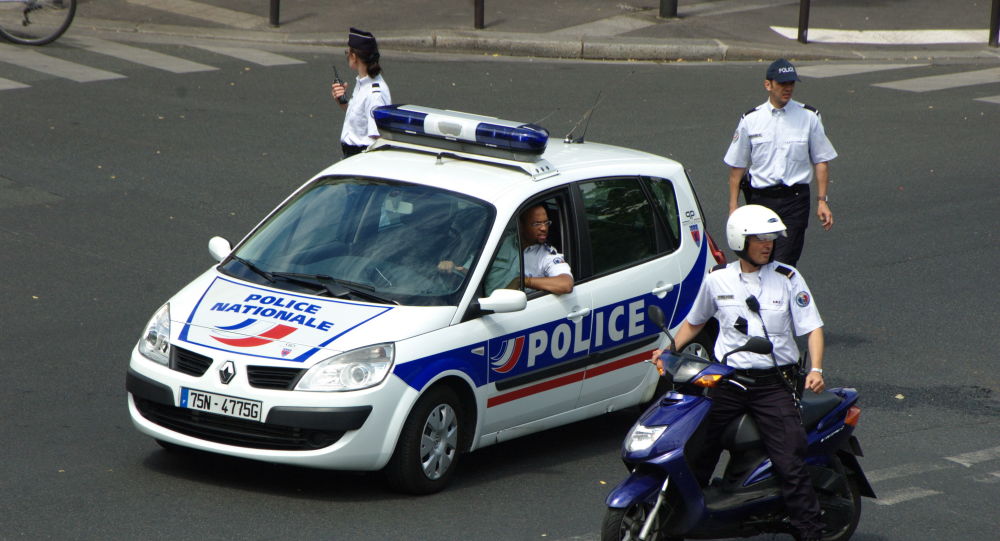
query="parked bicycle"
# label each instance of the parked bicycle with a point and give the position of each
(35, 22)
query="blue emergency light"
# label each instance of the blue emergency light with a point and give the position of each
(463, 132)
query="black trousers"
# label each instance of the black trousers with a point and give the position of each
(773, 409)
(792, 204)
(350, 150)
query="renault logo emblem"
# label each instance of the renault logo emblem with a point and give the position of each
(227, 372)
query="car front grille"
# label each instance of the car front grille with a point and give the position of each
(273, 377)
(237, 432)
(189, 362)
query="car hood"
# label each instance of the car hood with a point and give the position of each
(225, 314)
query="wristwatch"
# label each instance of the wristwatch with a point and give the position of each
(817, 370)
(823, 198)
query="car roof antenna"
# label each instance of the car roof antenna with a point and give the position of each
(585, 118)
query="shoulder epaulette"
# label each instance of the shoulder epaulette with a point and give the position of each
(750, 111)
(785, 270)
(718, 267)
(375, 87)
(811, 108)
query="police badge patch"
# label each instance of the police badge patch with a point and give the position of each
(802, 299)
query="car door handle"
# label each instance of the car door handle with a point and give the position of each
(577, 314)
(661, 290)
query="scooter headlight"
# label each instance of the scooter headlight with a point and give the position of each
(642, 437)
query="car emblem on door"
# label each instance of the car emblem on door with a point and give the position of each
(227, 372)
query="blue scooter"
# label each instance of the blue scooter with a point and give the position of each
(661, 500)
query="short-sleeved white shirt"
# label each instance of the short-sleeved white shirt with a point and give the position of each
(359, 125)
(542, 260)
(780, 146)
(786, 306)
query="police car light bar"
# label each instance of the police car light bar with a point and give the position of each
(463, 132)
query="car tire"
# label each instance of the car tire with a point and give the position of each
(703, 345)
(429, 445)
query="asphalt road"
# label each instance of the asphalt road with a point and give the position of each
(109, 192)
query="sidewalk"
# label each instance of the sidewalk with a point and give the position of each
(587, 29)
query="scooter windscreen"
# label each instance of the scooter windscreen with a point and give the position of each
(684, 367)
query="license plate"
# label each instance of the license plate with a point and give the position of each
(220, 404)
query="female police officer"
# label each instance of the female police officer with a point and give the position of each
(756, 296)
(359, 129)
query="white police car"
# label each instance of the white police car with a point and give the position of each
(333, 337)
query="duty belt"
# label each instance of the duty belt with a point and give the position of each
(767, 376)
(780, 190)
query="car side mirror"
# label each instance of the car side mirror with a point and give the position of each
(504, 300)
(219, 248)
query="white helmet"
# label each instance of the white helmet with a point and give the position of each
(751, 220)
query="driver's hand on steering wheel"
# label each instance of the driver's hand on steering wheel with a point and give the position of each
(450, 266)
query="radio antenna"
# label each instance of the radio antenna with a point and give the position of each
(585, 120)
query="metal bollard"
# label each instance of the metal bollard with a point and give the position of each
(803, 21)
(273, 17)
(480, 15)
(995, 24)
(668, 9)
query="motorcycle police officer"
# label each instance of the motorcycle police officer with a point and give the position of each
(756, 296)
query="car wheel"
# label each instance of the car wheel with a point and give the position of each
(702, 346)
(427, 452)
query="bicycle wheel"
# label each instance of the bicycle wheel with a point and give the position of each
(35, 22)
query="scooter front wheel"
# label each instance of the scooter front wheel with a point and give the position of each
(626, 525)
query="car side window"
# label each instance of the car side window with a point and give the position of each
(666, 206)
(505, 270)
(620, 221)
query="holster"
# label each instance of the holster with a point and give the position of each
(745, 186)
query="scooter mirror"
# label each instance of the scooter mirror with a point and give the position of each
(655, 314)
(758, 344)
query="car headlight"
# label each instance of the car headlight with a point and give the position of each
(643, 437)
(155, 341)
(350, 371)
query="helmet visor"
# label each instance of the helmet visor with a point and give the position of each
(764, 237)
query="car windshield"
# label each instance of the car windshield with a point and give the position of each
(368, 239)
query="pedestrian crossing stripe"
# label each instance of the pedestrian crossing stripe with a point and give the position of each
(37, 61)
(944, 82)
(138, 55)
(821, 71)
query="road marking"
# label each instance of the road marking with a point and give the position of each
(139, 55)
(725, 7)
(990, 99)
(37, 61)
(7, 84)
(887, 37)
(205, 12)
(621, 24)
(904, 495)
(838, 70)
(975, 457)
(945, 82)
(904, 470)
(611, 26)
(262, 58)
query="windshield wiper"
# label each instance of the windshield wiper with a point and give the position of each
(255, 268)
(336, 287)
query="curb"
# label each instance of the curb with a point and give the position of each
(543, 46)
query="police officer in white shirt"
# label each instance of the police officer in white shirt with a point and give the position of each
(359, 129)
(755, 296)
(544, 267)
(778, 147)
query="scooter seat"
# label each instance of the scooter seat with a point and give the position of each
(816, 406)
(742, 434)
